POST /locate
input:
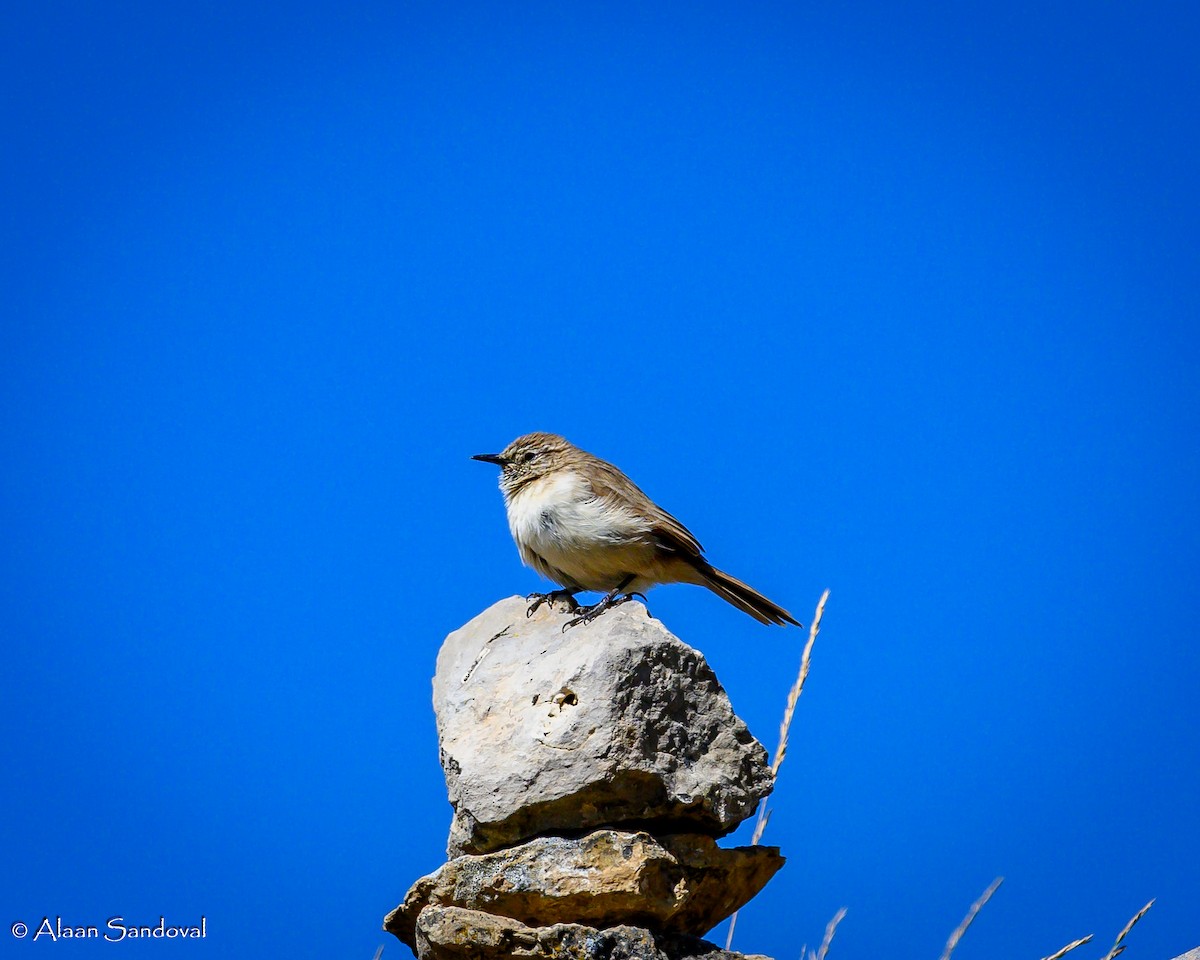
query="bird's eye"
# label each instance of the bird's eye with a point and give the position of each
(527, 456)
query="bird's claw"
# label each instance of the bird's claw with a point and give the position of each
(588, 614)
(540, 598)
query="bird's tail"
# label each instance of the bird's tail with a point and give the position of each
(744, 597)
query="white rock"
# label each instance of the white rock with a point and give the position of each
(454, 933)
(681, 883)
(611, 723)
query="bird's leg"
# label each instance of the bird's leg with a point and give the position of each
(613, 598)
(563, 594)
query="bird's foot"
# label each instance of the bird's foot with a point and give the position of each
(540, 598)
(588, 614)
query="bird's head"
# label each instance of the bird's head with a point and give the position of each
(529, 457)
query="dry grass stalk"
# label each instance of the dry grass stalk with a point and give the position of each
(969, 918)
(1118, 946)
(780, 751)
(789, 711)
(1068, 948)
(830, 929)
(798, 686)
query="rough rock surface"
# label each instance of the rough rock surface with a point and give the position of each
(682, 883)
(449, 933)
(613, 722)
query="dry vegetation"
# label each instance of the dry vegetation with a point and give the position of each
(764, 816)
(789, 711)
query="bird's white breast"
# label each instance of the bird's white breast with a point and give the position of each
(559, 520)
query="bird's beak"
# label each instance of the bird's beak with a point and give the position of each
(490, 458)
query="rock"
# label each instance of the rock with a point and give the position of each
(454, 933)
(613, 722)
(682, 883)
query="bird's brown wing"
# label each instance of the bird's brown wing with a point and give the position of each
(610, 484)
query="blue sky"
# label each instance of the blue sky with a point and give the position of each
(898, 300)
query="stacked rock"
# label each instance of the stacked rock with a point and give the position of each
(590, 774)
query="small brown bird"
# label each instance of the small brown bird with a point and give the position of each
(579, 521)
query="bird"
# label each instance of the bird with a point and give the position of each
(581, 523)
